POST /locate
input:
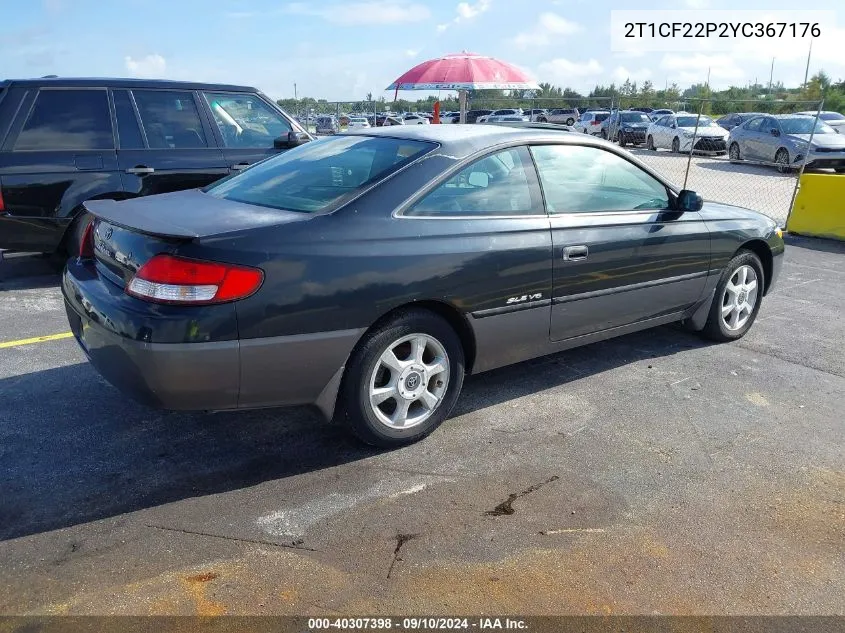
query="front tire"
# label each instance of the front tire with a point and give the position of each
(733, 152)
(782, 160)
(737, 299)
(676, 145)
(403, 380)
(649, 144)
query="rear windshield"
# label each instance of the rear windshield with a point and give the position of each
(320, 175)
(602, 116)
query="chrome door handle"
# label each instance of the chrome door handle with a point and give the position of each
(575, 253)
(239, 166)
(140, 170)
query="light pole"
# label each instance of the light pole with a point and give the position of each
(295, 100)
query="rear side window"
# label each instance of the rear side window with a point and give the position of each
(170, 119)
(68, 120)
(320, 175)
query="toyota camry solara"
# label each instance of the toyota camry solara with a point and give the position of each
(368, 273)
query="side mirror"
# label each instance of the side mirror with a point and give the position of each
(673, 126)
(292, 139)
(775, 132)
(688, 200)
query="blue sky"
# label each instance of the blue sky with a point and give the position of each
(342, 50)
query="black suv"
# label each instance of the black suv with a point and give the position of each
(65, 141)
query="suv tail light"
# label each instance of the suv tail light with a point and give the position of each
(169, 279)
(86, 244)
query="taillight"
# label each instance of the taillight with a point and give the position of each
(169, 279)
(86, 245)
(2, 204)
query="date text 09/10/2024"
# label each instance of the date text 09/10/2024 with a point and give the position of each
(416, 623)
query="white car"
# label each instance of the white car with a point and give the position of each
(503, 112)
(833, 119)
(676, 132)
(656, 114)
(590, 122)
(415, 119)
(498, 118)
(450, 117)
(357, 123)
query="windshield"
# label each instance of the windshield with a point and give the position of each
(827, 116)
(634, 117)
(689, 121)
(320, 175)
(804, 125)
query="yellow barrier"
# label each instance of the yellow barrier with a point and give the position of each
(819, 208)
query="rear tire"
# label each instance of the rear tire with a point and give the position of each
(403, 380)
(676, 145)
(649, 144)
(570, 121)
(737, 299)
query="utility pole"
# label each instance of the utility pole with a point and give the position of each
(771, 74)
(707, 83)
(295, 100)
(807, 70)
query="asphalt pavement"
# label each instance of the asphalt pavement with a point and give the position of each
(653, 473)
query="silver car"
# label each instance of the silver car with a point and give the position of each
(833, 119)
(783, 139)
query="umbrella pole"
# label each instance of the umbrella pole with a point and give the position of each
(462, 100)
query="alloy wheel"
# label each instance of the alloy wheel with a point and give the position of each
(782, 160)
(734, 151)
(409, 381)
(739, 298)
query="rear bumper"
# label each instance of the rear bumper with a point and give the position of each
(122, 338)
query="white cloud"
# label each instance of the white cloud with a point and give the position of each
(362, 13)
(466, 11)
(697, 4)
(551, 28)
(150, 66)
(568, 74)
(412, 52)
(620, 74)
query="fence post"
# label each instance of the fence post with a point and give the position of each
(804, 162)
(692, 144)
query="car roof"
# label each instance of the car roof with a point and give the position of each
(460, 141)
(120, 82)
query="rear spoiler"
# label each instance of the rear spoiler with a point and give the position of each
(135, 219)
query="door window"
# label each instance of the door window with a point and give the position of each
(68, 120)
(501, 184)
(128, 132)
(245, 120)
(170, 119)
(754, 124)
(578, 179)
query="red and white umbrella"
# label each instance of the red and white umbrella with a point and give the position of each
(464, 71)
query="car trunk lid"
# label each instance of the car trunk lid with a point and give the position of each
(129, 233)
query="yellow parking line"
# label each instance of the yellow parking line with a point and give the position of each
(37, 339)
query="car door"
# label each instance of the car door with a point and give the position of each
(750, 141)
(246, 126)
(176, 149)
(769, 141)
(487, 220)
(621, 253)
(59, 152)
(659, 132)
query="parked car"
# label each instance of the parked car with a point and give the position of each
(730, 121)
(501, 112)
(450, 117)
(348, 283)
(590, 122)
(642, 109)
(415, 119)
(537, 115)
(676, 132)
(833, 119)
(358, 123)
(392, 120)
(567, 116)
(783, 139)
(626, 127)
(64, 141)
(473, 115)
(656, 114)
(498, 118)
(327, 124)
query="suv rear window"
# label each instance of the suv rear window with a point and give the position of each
(320, 175)
(601, 117)
(68, 120)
